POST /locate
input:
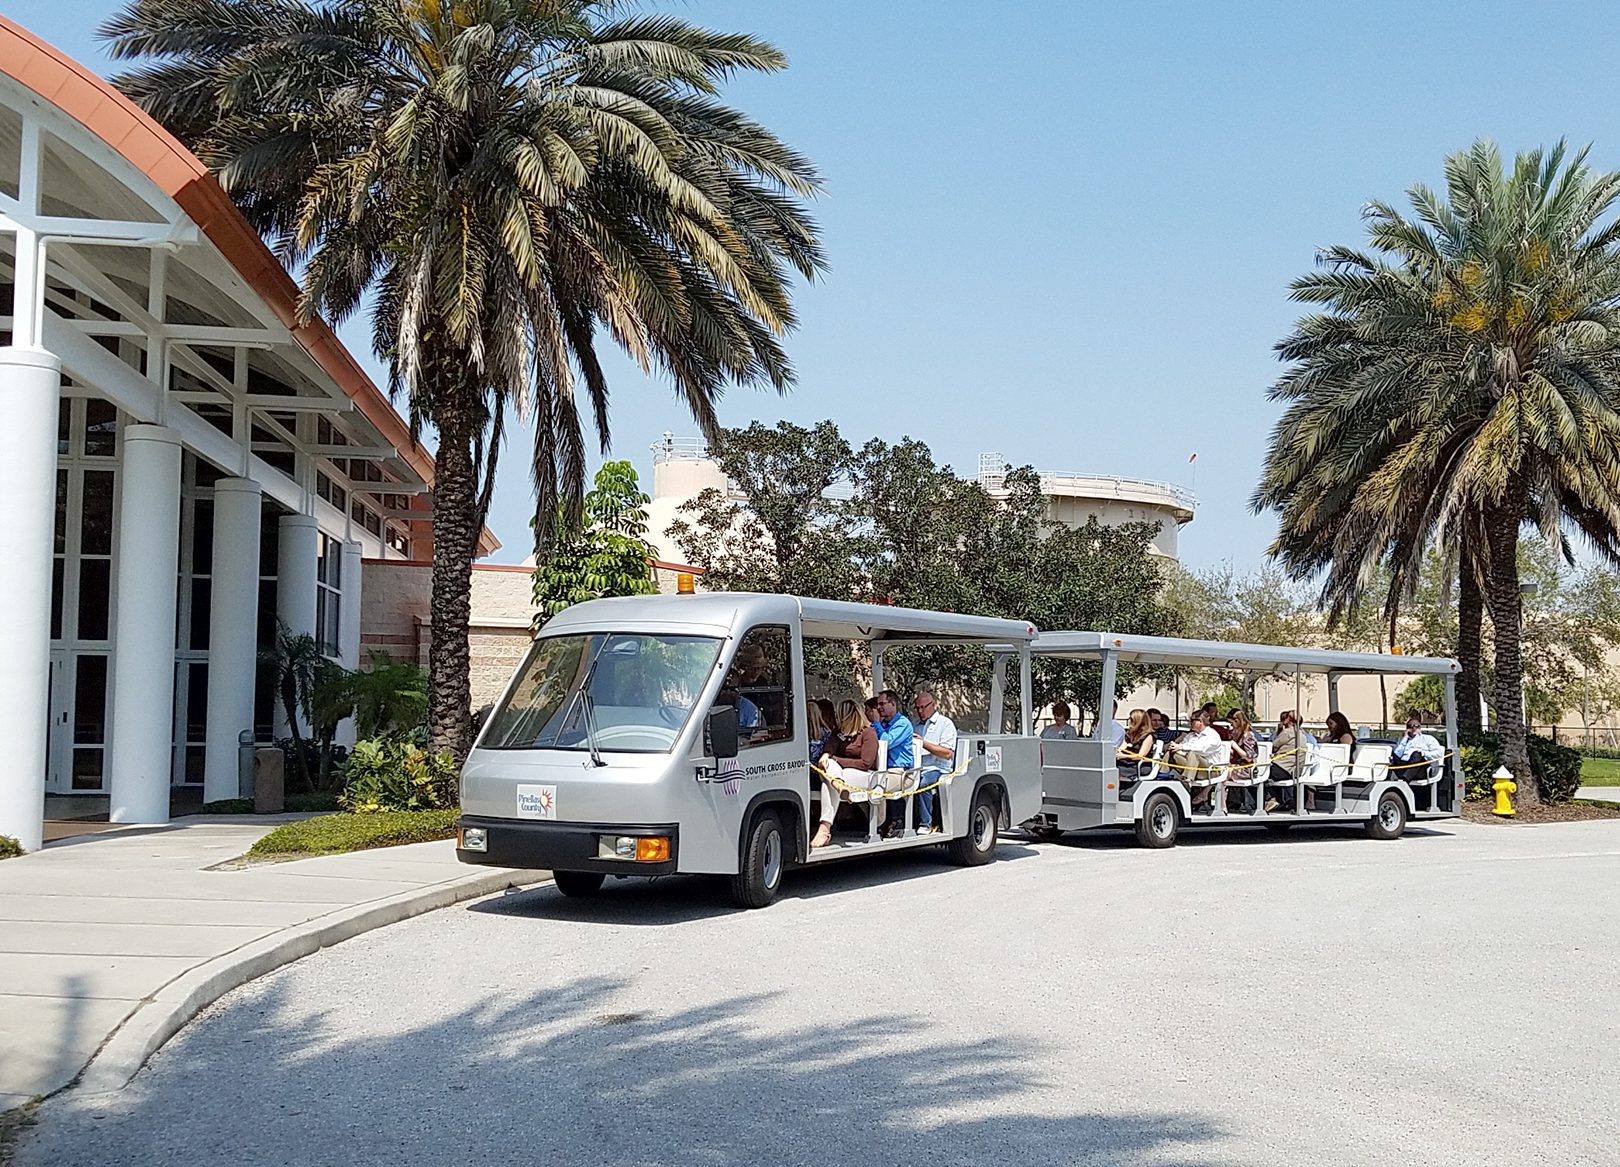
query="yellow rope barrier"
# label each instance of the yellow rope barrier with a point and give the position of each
(1250, 765)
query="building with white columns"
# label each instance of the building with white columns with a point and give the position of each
(181, 462)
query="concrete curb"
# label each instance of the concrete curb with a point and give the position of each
(163, 1015)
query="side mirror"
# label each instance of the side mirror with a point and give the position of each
(720, 732)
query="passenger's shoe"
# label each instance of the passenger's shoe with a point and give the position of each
(1272, 806)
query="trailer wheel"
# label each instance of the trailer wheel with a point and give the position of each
(1390, 821)
(764, 859)
(578, 884)
(978, 846)
(1161, 819)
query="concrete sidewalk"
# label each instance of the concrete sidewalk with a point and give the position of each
(1599, 793)
(109, 943)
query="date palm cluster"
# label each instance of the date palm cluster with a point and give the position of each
(506, 185)
(1458, 383)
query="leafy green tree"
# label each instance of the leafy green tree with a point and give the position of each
(888, 523)
(606, 556)
(787, 533)
(387, 698)
(512, 181)
(1461, 378)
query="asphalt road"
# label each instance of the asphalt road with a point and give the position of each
(1313, 999)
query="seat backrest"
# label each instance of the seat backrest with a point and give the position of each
(1371, 762)
(1262, 756)
(1326, 763)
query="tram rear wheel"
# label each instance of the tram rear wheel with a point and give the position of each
(1390, 820)
(1160, 821)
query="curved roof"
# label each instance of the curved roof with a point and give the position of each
(722, 612)
(93, 102)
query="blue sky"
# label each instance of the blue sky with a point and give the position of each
(1064, 231)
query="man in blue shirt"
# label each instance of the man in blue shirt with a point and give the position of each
(894, 731)
(1417, 749)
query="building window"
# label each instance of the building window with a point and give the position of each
(330, 491)
(398, 540)
(328, 594)
(366, 517)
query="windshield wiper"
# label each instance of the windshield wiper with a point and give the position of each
(583, 697)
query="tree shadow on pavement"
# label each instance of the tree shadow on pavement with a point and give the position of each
(677, 899)
(566, 1077)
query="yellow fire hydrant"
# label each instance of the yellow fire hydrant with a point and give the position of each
(1504, 786)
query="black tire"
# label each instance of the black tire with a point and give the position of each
(764, 860)
(1390, 820)
(578, 884)
(1160, 821)
(978, 846)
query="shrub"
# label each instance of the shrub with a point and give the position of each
(1557, 769)
(335, 833)
(397, 774)
(10, 848)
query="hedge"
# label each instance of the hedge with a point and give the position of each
(1557, 769)
(335, 833)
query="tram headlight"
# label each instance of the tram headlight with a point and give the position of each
(633, 848)
(474, 839)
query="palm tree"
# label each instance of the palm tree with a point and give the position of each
(386, 698)
(1461, 379)
(511, 180)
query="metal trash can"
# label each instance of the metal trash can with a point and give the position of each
(244, 764)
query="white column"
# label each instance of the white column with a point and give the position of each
(349, 613)
(233, 630)
(141, 751)
(349, 627)
(297, 549)
(30, 388)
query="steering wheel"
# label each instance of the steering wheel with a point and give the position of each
(635, 737)
(673, 716)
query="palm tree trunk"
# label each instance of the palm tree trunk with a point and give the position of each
(455, 542)
(1470, 618)
(1507, 615)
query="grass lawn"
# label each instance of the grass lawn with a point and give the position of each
(332, 834)
(1600, 771)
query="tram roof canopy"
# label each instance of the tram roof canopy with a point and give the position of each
(1218, 654)
(724, 612)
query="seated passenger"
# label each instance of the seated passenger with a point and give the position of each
(1212, 718)
(1191, 751)
(1288, 748)
(1161, 726)
(1338, 729)
(934, 747)
(1244, 748)
(895, 731)
(1060, 729)
(850, 756)
(871, 710)
(1137, 745)
(817, 728)
(1417, 749)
